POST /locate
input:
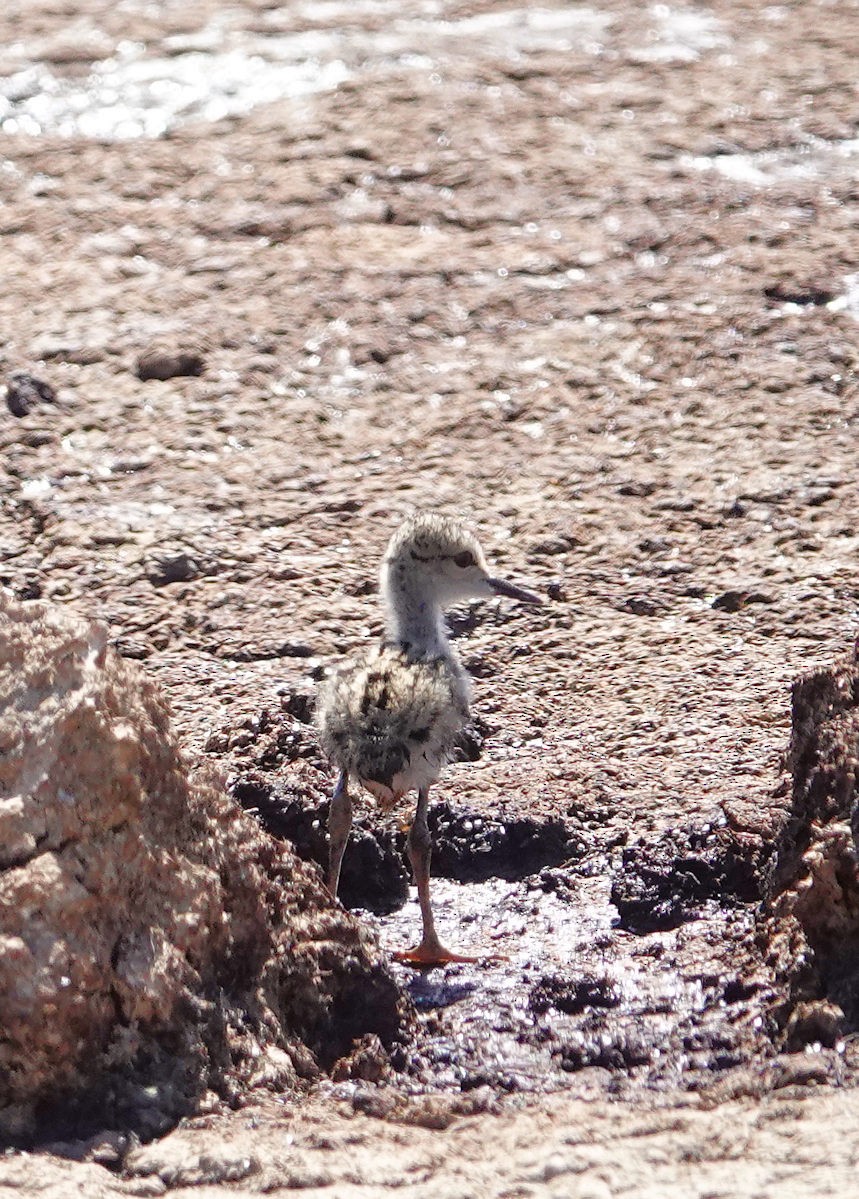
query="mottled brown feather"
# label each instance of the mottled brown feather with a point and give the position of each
(391, 721)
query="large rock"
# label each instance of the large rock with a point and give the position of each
(154, 942)
(812, 920)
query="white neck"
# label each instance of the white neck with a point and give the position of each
(414, 617)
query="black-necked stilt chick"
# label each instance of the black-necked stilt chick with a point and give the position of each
(390, 720)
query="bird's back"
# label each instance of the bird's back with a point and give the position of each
(391, 721)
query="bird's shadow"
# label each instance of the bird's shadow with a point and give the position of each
(425, 994)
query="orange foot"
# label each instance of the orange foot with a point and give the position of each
(434, 954)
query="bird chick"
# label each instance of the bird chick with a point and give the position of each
(390, 719)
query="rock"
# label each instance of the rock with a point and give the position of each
(804, 292)
(157, 363)
(25, 392)
(548, 547)
(368, 1062)
(812, 920)
(572, 994)
(171, 566)
(299, 704)
(153, 939)
(642, 605)
(736, 600)
(374, 875)
(665, 878)
(816, 1022)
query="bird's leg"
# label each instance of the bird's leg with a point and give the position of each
(430, 952)
(339, 824)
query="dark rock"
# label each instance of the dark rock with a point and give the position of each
(470, 742)
(374, 874)
(132, 647)
(730, 601)
(572, 995)
(642, 605)
(25, 392)
(466, 847)
(266, 652)
(735, 601)
(818, 1022)
(807, 294)
(639, 490)
(616, 1050)
(548, 547)
(169, 364)
(470, 848)
(299, 704)
(665, 879)
(171, 567)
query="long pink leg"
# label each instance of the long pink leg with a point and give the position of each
(339, 826)
(430, 952)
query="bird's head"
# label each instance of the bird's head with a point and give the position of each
(438, 557)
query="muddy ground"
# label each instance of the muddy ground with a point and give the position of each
(588, 276)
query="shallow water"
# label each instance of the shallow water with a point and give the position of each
(227, 68)
(571, 997)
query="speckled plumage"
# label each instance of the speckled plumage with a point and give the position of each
(391, 720)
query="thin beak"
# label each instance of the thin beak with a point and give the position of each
(500, 587)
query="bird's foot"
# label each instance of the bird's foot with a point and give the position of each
(433, 953)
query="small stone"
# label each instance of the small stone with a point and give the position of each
(641, 605)
(168, 567)
(735, 601)
(814, 1022)
(132, 647)
(169, 364)
(300, 705)
(548, 547)
(368, 1061)
(730, 601)
(24, 392)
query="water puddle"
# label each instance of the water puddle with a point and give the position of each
(596, 965)
(572, 999)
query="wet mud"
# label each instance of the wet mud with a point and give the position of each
(669, 878)
(603, 965)
(467, 846)
(608, 962)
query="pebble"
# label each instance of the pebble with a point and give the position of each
(167, 568)
(24, 392)
(169, 364)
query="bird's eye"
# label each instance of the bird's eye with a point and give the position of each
(466, 558)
